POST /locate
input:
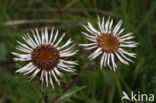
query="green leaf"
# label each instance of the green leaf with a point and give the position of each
(71, 93)
(3, 51)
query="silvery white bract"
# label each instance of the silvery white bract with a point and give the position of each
(44, 55)
(109, 43)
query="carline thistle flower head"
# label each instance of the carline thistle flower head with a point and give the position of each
(108, 43)
(44, 55)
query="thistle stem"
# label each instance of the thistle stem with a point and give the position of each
(44, 96)
(75, 80)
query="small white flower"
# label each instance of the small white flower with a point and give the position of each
(44, 56)
(108, 43)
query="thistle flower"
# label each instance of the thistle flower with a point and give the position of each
(44, 56)
(108, 43)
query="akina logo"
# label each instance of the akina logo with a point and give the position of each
(137, 96)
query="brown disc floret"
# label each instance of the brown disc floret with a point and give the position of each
(108, 43)
(45, 57)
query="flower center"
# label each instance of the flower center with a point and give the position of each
(45, 57)
(108, 43)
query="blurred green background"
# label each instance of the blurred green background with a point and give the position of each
(95, 86)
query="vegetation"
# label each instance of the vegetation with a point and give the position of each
(91, 85)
